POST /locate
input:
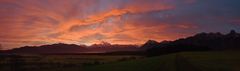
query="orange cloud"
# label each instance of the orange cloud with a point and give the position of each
(34, 22)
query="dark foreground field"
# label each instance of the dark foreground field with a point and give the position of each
(57, 62)
(183, 61)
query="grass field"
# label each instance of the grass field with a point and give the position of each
(184, 61)
(57, 62)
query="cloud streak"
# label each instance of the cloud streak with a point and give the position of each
(37, 22)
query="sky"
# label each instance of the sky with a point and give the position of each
(39, 22)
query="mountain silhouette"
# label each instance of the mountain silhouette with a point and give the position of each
(53, 48)
(150, 44)
(198, 42)
(108, 47)
(72, 48)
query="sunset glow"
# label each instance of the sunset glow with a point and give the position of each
(38, 22)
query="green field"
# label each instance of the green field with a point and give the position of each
(184, 61)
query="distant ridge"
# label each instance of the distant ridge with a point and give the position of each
(198, 42)
(150, 44)
(53, 48)
(61, 48)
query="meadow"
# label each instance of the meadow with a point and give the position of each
(182, 61)
(25, 62)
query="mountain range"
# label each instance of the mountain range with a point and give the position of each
(72, 48)
(199, 42)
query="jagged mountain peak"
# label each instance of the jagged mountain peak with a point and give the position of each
(150, 44)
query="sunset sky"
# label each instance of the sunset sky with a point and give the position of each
(38, 22)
